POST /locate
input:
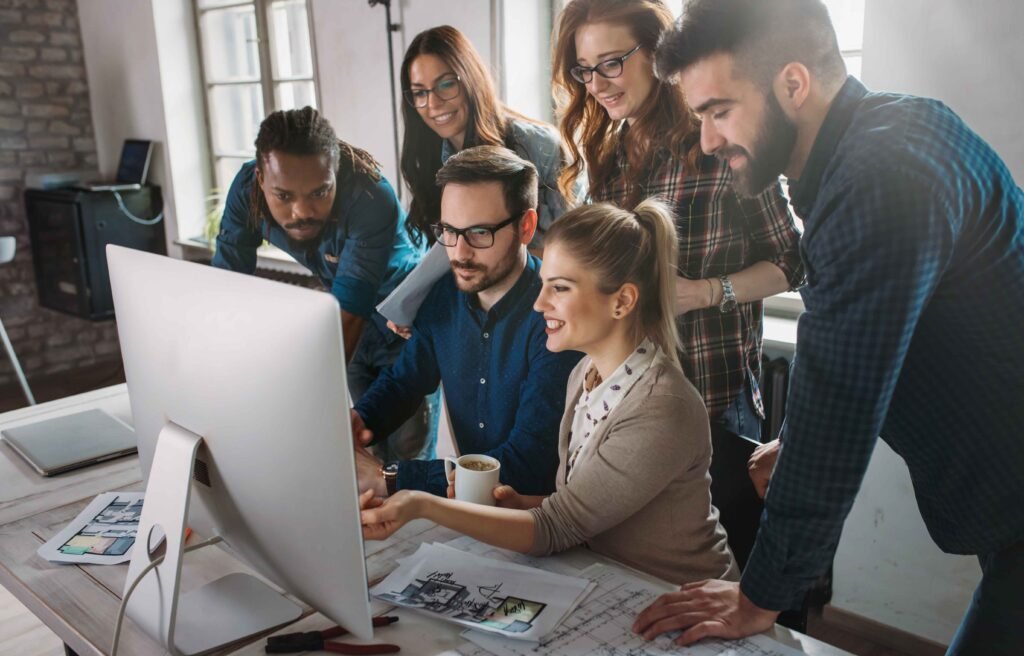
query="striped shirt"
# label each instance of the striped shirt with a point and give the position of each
(719, 234)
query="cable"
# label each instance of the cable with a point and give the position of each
(124, 210)
(131, 588)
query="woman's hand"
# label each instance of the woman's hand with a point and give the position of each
(405, 332)
(381, 520)
(694, 294)
(506, 497)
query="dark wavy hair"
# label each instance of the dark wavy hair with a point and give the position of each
(488, 123)
(664, 121)
(306, 132)
(762, 36)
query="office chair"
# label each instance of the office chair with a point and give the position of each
(7, 248)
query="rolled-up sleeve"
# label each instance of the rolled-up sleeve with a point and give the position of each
(373, 220)
(236, 240)
(773, 233)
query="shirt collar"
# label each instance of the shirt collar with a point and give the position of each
(447, 150)
(804, 192)
(611, 391)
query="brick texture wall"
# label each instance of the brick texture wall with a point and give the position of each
(45, 125)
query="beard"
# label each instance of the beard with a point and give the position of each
(769, 155)
(491, 276)
(308, 243)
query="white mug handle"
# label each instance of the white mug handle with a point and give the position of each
(449, 465)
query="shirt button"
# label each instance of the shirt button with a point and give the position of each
(487, 335)
(481, 424)
(483, 381)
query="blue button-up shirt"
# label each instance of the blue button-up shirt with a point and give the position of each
(363, 253)
(914, 251)
(505, 391)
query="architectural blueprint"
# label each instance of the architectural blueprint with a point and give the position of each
(602, 624)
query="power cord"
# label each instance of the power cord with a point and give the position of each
(124, 210)
(131, 588)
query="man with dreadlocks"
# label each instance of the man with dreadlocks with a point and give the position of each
(325, 203)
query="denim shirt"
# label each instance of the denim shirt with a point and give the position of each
(914, 250)
(540, 145)
(505, 391)
(363, 253)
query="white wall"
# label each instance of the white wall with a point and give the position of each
(970, 56)
(143, 83)
(351, 53)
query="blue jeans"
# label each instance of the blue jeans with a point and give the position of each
(994, 622)
(416, 439)
(740, 417)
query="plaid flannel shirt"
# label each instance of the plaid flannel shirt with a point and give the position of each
(914, 247)
(719, 234)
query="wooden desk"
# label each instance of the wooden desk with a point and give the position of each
(79, 602)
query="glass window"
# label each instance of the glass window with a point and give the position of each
(257, 57)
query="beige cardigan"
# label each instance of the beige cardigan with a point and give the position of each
(641, 492)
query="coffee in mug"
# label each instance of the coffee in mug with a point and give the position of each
(476, 476)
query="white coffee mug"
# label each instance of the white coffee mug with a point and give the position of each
(474, 484)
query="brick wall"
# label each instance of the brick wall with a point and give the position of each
(45, 125)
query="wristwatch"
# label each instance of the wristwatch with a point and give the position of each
(390, 474)
(728, 303)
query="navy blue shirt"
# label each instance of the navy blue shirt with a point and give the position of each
(914, 251)
(363, 253)
(505, 391)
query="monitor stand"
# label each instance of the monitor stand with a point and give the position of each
(223, 611)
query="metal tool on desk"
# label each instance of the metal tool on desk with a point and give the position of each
(290, 643)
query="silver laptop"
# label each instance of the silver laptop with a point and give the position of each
(132, 168)
(57, 445)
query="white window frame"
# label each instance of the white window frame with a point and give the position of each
(267, 80)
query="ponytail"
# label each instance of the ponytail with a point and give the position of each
(620, 246)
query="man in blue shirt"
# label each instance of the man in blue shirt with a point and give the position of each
(477, 333)
(914, 250)
(326, 204)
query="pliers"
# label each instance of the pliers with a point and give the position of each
(319, 641)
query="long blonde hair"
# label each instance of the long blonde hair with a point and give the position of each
(621, 246)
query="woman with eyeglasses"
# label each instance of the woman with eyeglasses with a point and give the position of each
(636, 139)
(451, 104)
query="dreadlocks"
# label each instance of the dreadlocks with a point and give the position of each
(306, 132)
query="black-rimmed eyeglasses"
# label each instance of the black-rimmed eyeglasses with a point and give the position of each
(478, 236)
(607, 69)
(446, 89)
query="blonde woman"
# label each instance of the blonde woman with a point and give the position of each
(634, 443)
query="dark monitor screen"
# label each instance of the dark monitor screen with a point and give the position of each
(134, 163)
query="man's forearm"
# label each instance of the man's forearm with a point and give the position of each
(758, 281)
(351, 330)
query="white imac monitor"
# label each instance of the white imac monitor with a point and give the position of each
(238, 396)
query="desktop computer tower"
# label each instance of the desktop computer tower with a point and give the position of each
(70, 230)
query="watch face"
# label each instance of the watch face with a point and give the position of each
(728, 305)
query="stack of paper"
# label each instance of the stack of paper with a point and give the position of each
(481, 593)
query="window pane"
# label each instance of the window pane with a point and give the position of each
(294, 95)
(227, 169)
(230, 44)
(848, 19)
(289, 39)
(853, 65)
(235, 115)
